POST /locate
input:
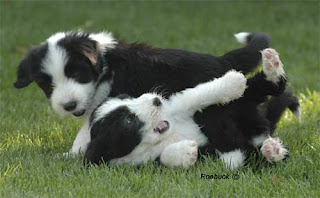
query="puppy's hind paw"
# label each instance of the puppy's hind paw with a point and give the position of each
(272, 65)
(273, 150)
(181, 154)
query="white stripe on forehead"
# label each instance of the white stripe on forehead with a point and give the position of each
(56, 58)
(108, 107)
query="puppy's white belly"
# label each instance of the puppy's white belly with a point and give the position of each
(187, 129)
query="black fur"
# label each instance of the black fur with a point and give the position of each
(277, 105)
(145, 68)
(29, 67)
(227, 128)
(114, 136)
(79, 66)
(234, 125)
(137, 69)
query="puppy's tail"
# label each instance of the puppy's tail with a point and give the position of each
(276, 105)
(247, 58)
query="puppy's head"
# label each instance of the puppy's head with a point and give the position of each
(121, 126)
(67, 68)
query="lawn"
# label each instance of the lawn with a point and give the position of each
(31, 134)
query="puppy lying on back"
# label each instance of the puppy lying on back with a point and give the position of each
(136, 130)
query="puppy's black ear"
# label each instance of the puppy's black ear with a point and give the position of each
(89, 49)
(30, 66)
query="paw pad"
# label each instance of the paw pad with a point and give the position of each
(272, 65)
(273, 150)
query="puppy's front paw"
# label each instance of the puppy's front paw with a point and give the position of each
(234, 84)
(182, 154)
(273, 150)
(272, 65)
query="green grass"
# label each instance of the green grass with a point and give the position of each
(31, 134)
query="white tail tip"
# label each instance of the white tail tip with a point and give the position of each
(297, 113)
(242, 37)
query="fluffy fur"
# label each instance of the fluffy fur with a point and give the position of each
(78, 70)
(136, 130)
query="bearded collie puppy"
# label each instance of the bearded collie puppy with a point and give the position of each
(78, 70)
(136, 130)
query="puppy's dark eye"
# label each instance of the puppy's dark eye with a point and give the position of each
(130, 118)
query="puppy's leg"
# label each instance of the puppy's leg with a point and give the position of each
(233, 159)
(81, 142)
(258, 140)
(181, 154)
(222, 90)
(273, 150)
(271, 81)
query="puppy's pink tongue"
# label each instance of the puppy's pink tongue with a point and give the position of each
(162, 126)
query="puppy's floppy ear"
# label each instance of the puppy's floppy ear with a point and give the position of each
(80, 42)
(89, 49)
(24, 76)
(30, 66)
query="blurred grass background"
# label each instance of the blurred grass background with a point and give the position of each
(31, 134)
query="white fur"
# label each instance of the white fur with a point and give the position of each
(66, 89)
(242, 37)
(273, 150)
(259, 139)
(226, 89)
(56, 37)
(181, 154)
(297, 113)
(272, 71)
(104, 39)
(88, 96)
(178, 111)
(233, 159)
(83, 138)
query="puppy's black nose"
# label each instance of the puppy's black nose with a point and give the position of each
(70, 106)
(157, 102)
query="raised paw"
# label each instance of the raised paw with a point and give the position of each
(181, 154)
(272, 65)
(234, 84)
(273, 150)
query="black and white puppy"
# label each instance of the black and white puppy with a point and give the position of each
(69, 68)
(77, 70)
(136, 130)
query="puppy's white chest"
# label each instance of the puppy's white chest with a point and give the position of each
(184, 128)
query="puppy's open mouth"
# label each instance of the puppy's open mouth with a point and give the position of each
(162, 126)
(79, 113)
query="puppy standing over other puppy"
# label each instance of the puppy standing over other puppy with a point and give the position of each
(134, 131)
(77, 70)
